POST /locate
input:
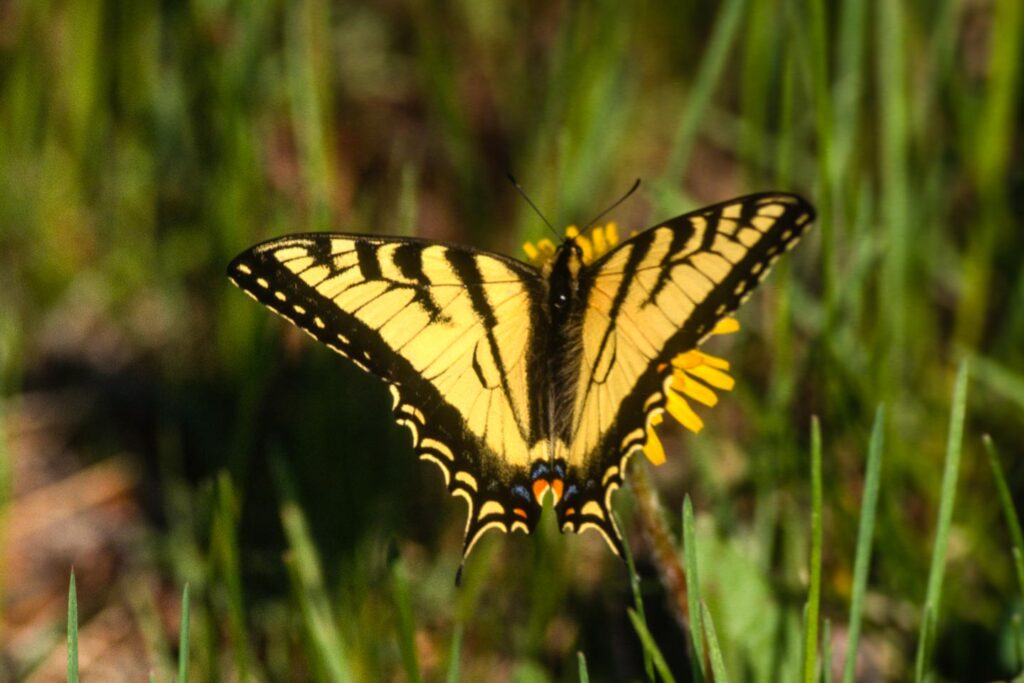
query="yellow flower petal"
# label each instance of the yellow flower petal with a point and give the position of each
(600, 245)
(531, 251)
(726, 326)
(690, 359)
(713, 361)
(714, 377)
(692, 388)
(653, 449)
(572, 231)
(683, 413)
(546, 247)
(588, 251)
(611, 233)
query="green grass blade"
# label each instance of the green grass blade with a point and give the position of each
(406, 626)
(1009, 509)
(723, 36)
(999, 379)
(304, 570)
(455, 654)
(714, 651)
(634, 584)
(895, 194)
(651, 648)
(950, 475)
(693, 598)
(584, 674)
(865, 534)
(826, 652)
(924, 643)
(72, 631)
(1000, 116)
(183, 638)
(823, 125)
(814, 591)
(224, 547)
(849, 86)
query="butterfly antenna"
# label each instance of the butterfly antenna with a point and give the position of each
(609, 209)
(515, 183)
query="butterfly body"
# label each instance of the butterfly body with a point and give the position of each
(526, 384)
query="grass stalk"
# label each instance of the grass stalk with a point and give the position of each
(714, 650)
(651, 648)
(406, 625)
(183, 645)
(455, 654)
(634, 586)
(72, 630)
(306, 574)
(709, 75)
(950, 475)
(224, 542)
(865, 534)
(822, 92)
(825, 664)
(891, 68)
(1009, 509)
(814, 591)
(693, 590)
(1016, 537)
(582, 661)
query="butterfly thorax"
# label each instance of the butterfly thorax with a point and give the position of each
(562, 275)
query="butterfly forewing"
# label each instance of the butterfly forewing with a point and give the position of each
(655, 296)
(449, 329)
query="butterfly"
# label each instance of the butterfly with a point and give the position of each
(525, 383)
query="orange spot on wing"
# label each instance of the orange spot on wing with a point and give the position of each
(521, 512)
(556, 487)
(539, 487)
(570, 511)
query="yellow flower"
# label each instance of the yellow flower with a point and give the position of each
(600, 240)
(695, 374)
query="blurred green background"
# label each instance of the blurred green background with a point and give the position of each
(160, 428)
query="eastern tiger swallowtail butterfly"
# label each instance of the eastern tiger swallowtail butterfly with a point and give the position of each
(522, 382)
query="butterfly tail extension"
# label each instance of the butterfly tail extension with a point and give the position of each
(587, 506)
(506, 513)
(505, 507)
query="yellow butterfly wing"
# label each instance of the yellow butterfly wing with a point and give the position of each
(656, 295)
(449, 329)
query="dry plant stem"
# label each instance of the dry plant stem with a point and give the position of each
(664, 552)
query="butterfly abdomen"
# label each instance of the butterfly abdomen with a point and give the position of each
(565, 310)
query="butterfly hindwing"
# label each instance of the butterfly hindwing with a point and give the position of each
(449, 329)
(656, 295)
